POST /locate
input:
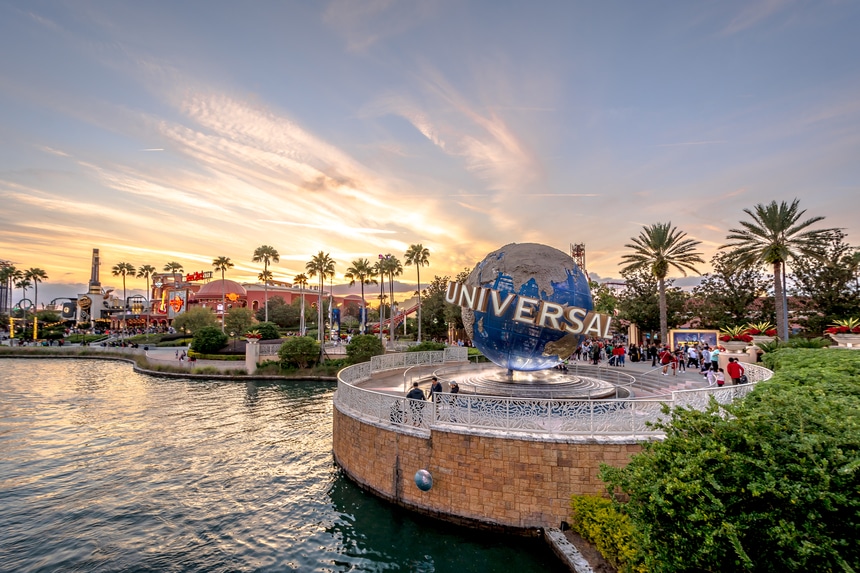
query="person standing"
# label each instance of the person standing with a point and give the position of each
(415, 393)
(652, 354)
(734, 370)
(435, 388)
(665, 360)
(715, 358)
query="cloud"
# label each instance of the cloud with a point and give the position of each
(755, 11)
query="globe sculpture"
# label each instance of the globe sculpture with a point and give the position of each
(527, 270)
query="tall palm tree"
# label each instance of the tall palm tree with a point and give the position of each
(379, 271)
(222, 264)
(361, 271)
(173, 267)
(773, 237)
(657, 248)
(36, 275)
(23, 283)
(302, 280)
(145, 272)
(419, 256)
(393, 268)
(123, 269)
(266, 255)
(321, 265)
(7, 271)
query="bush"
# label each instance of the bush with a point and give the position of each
(427, 345)
(766, 484)
(363, 347)
(208, 339)
(600, 522)
(299, 352)
(269, 330)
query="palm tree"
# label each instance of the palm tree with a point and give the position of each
(302, 280)
(7, 271)
(36, 275)
(173, 267)
(393, 268)
(23, 283)
(361, 271)
(123, 269)
(419, 256)
(773, 237)
(658, 247)
(145, 272)
(266, 255)
(222, 264)
(379, 271)
(321, 265)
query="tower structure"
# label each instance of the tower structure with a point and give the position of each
(95, 285)
(577, 253)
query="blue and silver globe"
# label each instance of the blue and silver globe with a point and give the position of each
(423, 480)
(536, 271)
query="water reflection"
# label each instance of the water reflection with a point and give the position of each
(104, 469)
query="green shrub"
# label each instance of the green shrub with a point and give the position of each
(425, 346)
(767, 484)
(176, 342)
(269, 330)
(363, 347)
(600, 522)
(208, 339)
(299, 352)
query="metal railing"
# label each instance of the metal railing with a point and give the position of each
(566, 417)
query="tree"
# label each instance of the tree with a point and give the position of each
(658, 248)
(639, 302)
(393, 268)
(145, 272)
(379, 271)
(239, 320)
(299, 352)
(725, 297)
(22, 282)
(773, 237)
(604, 298)
(173, 267)
(7, 277)
(363, 347)
(123, 270)
(194, 319)
(208, 340)
(302, 280)
(767, 484)
(321, 265)
(222, 264)
(280, 313)
(36, 275)
(362, 271)
(266, 254)
(827, 286)
(268, 330)
(419, 256)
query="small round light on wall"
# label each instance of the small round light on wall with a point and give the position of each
(423, 480)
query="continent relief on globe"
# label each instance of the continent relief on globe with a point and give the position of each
(529, 292)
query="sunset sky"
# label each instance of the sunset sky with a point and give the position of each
(184, 131)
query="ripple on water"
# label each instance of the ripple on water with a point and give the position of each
(104, 469)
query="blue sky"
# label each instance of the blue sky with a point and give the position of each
(161, 131)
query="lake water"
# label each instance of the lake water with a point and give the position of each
(103, 469)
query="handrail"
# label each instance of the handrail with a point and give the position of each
(571, 417)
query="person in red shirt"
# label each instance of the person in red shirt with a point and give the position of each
(734, 370)
(665, 358)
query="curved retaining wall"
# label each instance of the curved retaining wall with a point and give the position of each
(479, 479)
(491, 471)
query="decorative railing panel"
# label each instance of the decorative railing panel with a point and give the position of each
(624, 417)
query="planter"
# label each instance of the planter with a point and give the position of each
(761, 339)
(734, 345)
(846, 340)
(252, 340)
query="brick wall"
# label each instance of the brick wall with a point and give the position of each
(485, 480)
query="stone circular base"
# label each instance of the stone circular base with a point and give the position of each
(494, 381)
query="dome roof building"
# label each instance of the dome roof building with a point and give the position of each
(215, 289)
